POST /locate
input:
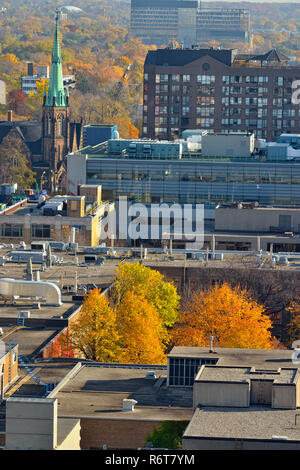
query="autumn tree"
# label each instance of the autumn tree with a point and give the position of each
(94, 333)
(228, 314)
(15, 166)
(149, 284)
(142, 335)
(16, 100)
(293, 327)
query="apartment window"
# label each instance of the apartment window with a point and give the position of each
(251, 79)
(231, 122)
(161, 78)
(235, 100)
(206, 79)
(205, 90)
(185, 100)
(205, 112)
(185, 110)
(236, 89)
(186, 78)
(262, 90)
(205, 100)
(145, 77)
(225, 79)
(161, 89)
(262, 101)
(280, 81)
(251, 122)
(205, 122)
(161, 120)
(174, 121)
(263, 79)
(288, 123)
(175, 78)
(175, 88)
(235, 79)
(160, 130)
(145, 130)
(261, 112)
(174, 109)
(289, 112)
(12, 230)
(261, 123)
(40, 231)
(175, 99)
(251, 101)
(225, 101)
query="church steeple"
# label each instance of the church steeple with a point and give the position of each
(56, 94)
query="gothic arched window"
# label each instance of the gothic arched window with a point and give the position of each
(60, 120)
(49, 127)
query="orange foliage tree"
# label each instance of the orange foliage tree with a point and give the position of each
(141, 330)
(226, 313)
(94, 333)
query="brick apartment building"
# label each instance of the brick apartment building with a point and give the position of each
(219, 90)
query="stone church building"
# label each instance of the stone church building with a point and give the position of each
(50, 140)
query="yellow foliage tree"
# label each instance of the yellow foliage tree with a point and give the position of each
(141, 331)
(151, 285)
(229, 315)
(94, 333)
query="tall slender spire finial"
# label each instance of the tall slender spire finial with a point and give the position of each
(56, 94)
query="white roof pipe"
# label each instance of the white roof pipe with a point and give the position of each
(48, 290)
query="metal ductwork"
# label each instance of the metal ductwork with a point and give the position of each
(37, 289)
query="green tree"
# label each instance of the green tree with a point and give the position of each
(168, 435)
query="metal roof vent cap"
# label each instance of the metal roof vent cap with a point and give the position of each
(150, 375)
(128, 404)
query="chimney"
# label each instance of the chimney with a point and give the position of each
(9, 115)
(211, 344)
(30, 69)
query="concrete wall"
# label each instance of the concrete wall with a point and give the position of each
(254, 220)
(284, 396)
(236, 394)
(31, 424)
(68, 434)
(76, 172)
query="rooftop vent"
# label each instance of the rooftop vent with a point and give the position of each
(150, 375)
(128, 404)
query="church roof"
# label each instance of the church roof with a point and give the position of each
(30, 132)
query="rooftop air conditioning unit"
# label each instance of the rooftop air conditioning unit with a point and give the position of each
(128, 404)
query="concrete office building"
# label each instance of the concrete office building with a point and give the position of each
(190, 178)
(218, 90)
(186, 21)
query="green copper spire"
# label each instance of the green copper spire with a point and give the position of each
(56, 94)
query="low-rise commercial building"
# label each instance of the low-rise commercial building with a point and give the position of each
(57, 219)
